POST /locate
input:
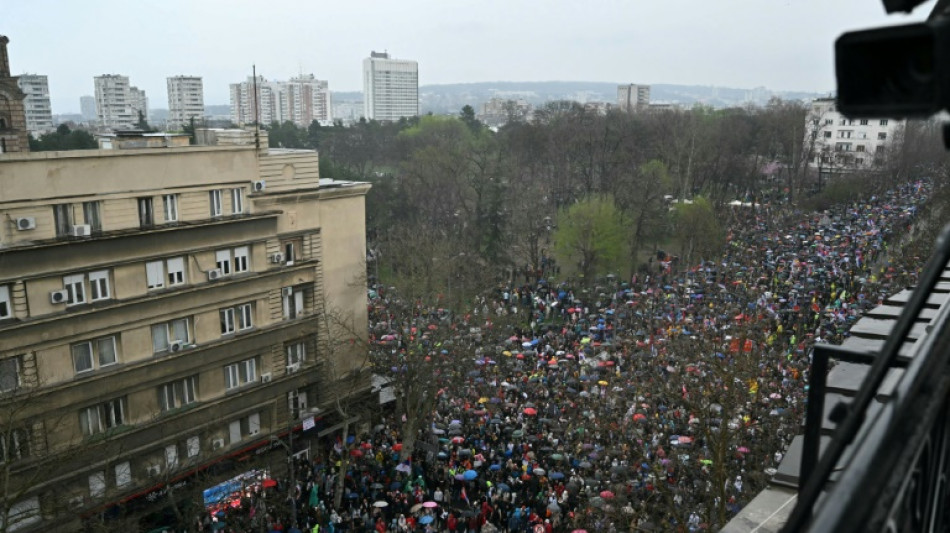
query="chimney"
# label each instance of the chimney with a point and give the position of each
(4, 58)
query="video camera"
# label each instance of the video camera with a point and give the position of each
(897, 71)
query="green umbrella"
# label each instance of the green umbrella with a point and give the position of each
(314, 497)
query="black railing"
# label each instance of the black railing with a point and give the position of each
(889, 472)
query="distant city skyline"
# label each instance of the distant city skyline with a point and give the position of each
(730, 43)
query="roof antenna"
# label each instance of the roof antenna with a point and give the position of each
(257, 121)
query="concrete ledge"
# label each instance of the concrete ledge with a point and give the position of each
(767, 513)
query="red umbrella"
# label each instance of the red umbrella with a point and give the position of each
(397, 447)
(606, 494)
(366, 445)
(742, 449)
(530, 411)
(639, 417)
(356, 453)
(520, 356)
(269, 483)
(457, 440)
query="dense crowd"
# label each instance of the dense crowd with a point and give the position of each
(658, 401)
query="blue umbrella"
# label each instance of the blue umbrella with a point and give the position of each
(556, 475)
(395, 485)
(503, 487)
(427, 519)
(495, 467)
(470, 475)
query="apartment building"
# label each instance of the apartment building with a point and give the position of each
(36, 105)
(632, 97)
(390, 87)
(301, 100)
(840, 144)
(186, 101)
(118, 103)
(155, 326)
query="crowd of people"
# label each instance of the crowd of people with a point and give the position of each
(662, 401)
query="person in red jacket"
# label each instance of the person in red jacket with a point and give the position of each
(452, 522)
(380, 525)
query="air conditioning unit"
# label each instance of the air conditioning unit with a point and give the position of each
(287, 291)
(80, 230)
(25, 223)
(265, 377)
(277, 258)
(259, 185)
(154, 470)
(176, 346)
(59, 297)
(215, 274)
(293, 368)
(217, 444)
(76, 502)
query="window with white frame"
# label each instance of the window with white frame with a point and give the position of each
(296, 354)
(166, 333)
(90, 355)
(14, 444)
(123, 474)
(227, 320)
(292, 301)
(292, 250)
(244, 427)
(97, 484)
(155, 273)
(297, 402)
(99, 285)
(6, 304)
(178, 393)
(241, 259)
(170, 203)
(75, 286)
(239, 374)
(222, 259)
(245, 316)
(10, 368)
(102, 417)
(237, 201)
(215, 196)
(171, 456)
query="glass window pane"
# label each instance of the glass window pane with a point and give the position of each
(106, 348)
(159, 338)
(82, 356)
(180, 330)
(155, 274)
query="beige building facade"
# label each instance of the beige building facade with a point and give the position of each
(164, 308)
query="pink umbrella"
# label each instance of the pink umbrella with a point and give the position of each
(530, 411)
(606, 494)
(430, 505)
(457, 440)
(742, 449)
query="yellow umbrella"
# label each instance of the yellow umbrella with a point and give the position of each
(506, 353)
(602, 382)
(483, 399)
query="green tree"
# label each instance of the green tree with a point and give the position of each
(63, 139)
(468, 117)
(697, 229)
(590, 233)
(645, 211)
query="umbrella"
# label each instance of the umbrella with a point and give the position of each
(503, 487)
(381, 504)
(470, 475)
(376, 486)
(539, 471)
(397, 447)
(395, 485)
(530, 411)
(556, 476)
(427, 519)
(742, 449)
(356, 453)
(606, 494)
(269, 483)
(430, 505)
(495, 467)
(415, 508)
(557, 457)
(457, 440)
(403, 468)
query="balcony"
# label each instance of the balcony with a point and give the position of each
(875, 451)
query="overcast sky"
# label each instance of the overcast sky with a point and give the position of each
(779, 44)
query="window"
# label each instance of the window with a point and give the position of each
(227, 320)
(859, 148)
(240, 259)
(9, 373)
(237, 201)
(88, 355)
(163, 335)
(24, 512)
(296, 353)
(859, 160)
(882, 136)
(244, 427)
(193, 446)
(844, 134)
(63, 218)
(90, 213)
(176, 271)
(123, 474)
(289, 253)
(864, 122)
(178, 393)
(102, 417)
(292, 302)
(146, 214)
(843, 122)
(6, 306)
(829, 122)
(170, 201)
(99, 285)
(215, 203)
(238, 374)
(297, 402)
(155, 272)
(827, 135)
(879, 149)
(245, 316)
(97, 484)
(883, 122)
(223, 260)
(14, 444)
(171, 456)
(76, 288)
